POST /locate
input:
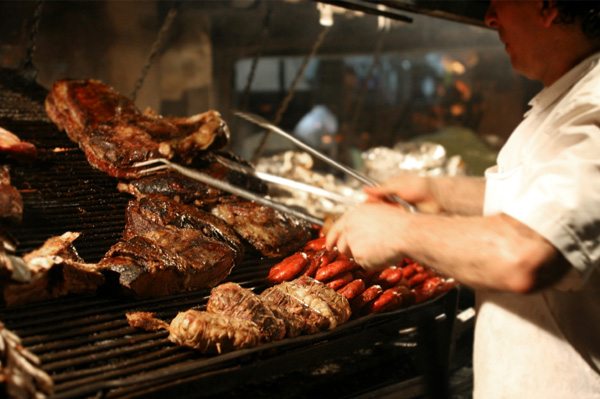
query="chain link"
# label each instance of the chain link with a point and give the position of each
(156, 47)
(290, 95)
(28, 70)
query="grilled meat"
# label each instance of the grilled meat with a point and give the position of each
(337, 302)
(173, 185)
(298, 316)
(271, 233)
(12, 146)
(146, 320)
(233, 300)
(155, 212)
(165, 262)
(204, 331)
(220, 165)
(213, 332)
(114, 134)
(56, 270)
(11, 202)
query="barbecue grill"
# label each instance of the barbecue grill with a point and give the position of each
(88, 348)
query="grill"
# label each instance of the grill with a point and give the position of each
(90, 351)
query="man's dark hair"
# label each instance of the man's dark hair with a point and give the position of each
(588, 12)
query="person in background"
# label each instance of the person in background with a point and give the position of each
(526, 237)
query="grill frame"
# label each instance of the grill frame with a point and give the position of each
(87, 347)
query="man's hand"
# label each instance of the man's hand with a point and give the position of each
(411, 188)
(369, 233)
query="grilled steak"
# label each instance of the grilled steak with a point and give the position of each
(114, 134)
(233, 300)
(164, 262)
(271, 233)
(156, 212)
(222, 165)
(173, 185)
(213, 332)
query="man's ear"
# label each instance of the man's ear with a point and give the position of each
(549, 12)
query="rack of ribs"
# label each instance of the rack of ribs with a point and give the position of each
(114, 134)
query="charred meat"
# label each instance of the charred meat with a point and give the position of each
(267, 231)
(114, 134)
(221, 165)
(165, 262)
(55, 270)
(156, 212)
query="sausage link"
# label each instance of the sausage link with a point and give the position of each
(388, 300)
(389, 277)
(314, 260)
(418, 279)
(340, 280)
(353, 288)
(367, 296)
(288, 268)
(409, 270)
(318, 244)
(327, 272)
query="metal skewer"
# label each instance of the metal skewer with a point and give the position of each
(260, 121)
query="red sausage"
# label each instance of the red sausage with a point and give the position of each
(340, 280)
(431, 283)
(327, 272)
(389, 277)
(328, 256)
(318, 244)
(288, 268)
(352, 289)
(388, 300)
(367, 296)
(417, 279)
(409, 270)
(314, 260)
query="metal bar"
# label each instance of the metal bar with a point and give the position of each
(222, 185)
(262, 122)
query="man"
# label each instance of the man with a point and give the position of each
(527, 237)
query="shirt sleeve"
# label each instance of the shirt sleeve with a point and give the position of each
(559, 195)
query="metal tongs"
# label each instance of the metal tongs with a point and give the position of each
(162, 164)
(262, 122)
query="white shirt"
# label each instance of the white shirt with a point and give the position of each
(547, 344)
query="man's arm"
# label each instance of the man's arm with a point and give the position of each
(455, 195)
(494, 252)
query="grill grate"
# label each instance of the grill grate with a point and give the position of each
(90, 351)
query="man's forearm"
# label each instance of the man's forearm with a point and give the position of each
(459, 195)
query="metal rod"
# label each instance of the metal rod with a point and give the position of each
(260, 121)
(222, 185)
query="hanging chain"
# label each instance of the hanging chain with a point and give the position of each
(290, 95)
(263, 36)
(28, 70)
(363, 91)
(156, 47)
